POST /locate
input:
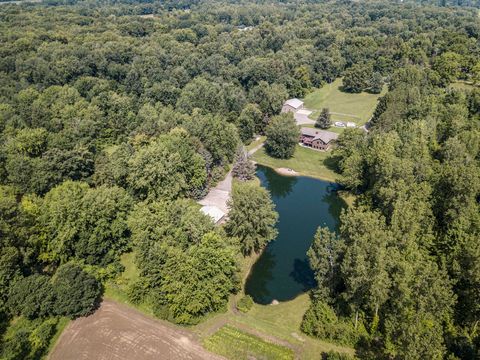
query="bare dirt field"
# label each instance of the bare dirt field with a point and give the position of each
(116, 331)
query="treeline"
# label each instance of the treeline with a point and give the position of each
(401, 279)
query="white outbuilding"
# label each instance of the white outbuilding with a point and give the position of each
(292, 105)
(214, 212)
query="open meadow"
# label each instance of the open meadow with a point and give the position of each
(343, 106)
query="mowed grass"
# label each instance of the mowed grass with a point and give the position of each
(330, 96)
(238, 345)
(305, 161)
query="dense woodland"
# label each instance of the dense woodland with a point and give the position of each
(113, 122)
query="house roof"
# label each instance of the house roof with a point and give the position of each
(325, 136)
(295, 103)
(214, 212)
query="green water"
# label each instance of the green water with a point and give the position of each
(282, 271)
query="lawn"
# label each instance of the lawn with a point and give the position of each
(305, 161)
(360, 106)
(238, 345)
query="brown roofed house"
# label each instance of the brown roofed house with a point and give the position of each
(317, 139)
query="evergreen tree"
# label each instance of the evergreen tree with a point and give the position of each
(243, 168)
(324, 120)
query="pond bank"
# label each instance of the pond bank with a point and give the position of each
(282, 271)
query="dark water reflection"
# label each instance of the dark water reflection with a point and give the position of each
(282, 272)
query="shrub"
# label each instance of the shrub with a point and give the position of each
(333, 355)
(245, 303)
(77, 292)
(321, 321)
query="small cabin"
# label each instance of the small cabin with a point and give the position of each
(317, 139)
(292, 105)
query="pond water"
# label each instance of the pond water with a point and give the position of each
(282, 271)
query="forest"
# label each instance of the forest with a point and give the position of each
(115, 117)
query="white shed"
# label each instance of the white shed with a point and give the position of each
(214, 212)
(292, 105)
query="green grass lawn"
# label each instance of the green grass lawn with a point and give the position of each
(330, 96)
(238, 345)
(305, 161)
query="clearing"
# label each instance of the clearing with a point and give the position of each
(116, 331)
(305, 161)
(343, 106)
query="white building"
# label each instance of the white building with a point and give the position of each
(292, 105)
(214, 212)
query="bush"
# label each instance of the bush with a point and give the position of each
(333, 355)
(138, 291)
(321, 321)
(245, 303)
(77, 292)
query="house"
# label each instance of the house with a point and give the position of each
(292, 105)
(317, 139)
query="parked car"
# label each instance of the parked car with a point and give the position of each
(339, 124)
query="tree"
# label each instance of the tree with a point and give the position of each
(219, 138)
(243, 168)
(324, 120)
(32, 297)
(357, 78)
(269, 97)
(325, 259)
(376, 83)
(282, 136)
(85, 223)
(252, 217)
(199, 280)
(250, 122)
(77, 293)
(365, 264)
(448, 66)
(167, 167)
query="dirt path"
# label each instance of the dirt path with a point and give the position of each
(118, 332)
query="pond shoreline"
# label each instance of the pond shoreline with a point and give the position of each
(281, 272)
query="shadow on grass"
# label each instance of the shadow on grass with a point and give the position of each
(331, 163)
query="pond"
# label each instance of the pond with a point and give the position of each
(282, 271)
